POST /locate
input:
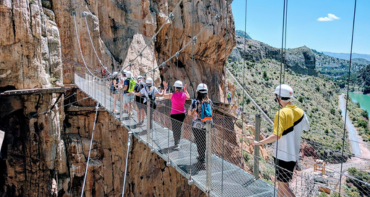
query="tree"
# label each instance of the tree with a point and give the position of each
(332, 111)
(362, 123)
(365, 114)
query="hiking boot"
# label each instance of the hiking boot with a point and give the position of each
(177, 147)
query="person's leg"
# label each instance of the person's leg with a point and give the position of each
(174, 122)
(115, 96)
(199, 135)
(284, 190)
(284, 174)
(138, 114)
(177, 120)
(142, 114)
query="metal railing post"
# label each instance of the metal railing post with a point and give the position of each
(120, 106)
(148, 122)
(208, 156)
(257, 148)
(105, 93)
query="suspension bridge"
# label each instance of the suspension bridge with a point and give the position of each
(226, 172)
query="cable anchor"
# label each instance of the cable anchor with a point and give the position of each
(217, 17)
(194, 39)
(154, 39)
(83, 14)
(171, 16)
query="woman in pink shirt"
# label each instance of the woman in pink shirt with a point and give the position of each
(178, 111)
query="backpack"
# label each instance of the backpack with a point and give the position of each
(206, 113)
(131, 85)
(151, 97)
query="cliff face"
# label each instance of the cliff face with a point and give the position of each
(120, 29)
(45, 153)
(30, 48)
(301, 60)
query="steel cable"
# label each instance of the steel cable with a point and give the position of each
(348, 83)
(91, 141)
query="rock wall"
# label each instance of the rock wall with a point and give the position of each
(120, 29)
(44, 154)
(30, 48)
(33, 148)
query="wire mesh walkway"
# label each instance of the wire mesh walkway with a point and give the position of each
(225, 178)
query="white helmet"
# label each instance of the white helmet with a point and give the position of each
(149, 82)
(139, 77)
(202, 88)
(123, 72)
(128, 74)
(178, 84)
(114, 74)
(284, 91)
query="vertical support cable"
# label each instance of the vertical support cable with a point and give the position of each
(223, 137)
(244, 39)
(348, 83)
(88, 158)
(128, 148)
(278, 121)
(285, 33)
(192, 46)
(257, 147)
(148, 122)
(209, 157)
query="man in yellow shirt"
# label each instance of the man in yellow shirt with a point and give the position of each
(289, 123)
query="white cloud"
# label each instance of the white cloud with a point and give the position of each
(330, 17)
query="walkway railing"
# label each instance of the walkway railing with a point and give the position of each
(232, 167)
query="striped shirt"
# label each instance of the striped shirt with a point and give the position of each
(289, 124)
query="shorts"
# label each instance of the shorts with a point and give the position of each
(141, 106)
(284, 170)
(128, 98)
(115, 91)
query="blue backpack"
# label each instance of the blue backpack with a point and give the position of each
(206, 113)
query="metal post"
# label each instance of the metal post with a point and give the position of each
(208, 157)
(148, 122)
(105, 93)
(241, 147)
(257, 148)
(168, 145)
(120, 107)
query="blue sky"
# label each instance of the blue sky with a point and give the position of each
(332, 32)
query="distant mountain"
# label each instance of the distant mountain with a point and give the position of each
(300, 60)
(337, 67)
(361, 61)
(346, 56)
(242, 34)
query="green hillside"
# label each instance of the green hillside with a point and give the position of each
(336, 67)
(318, 96)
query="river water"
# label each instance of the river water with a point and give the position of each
(352, 132)
(363, 99)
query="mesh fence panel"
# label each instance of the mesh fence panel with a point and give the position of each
(232, 159)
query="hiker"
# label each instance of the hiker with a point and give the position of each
(103, 72)
(114, 89)
(149, 93)
(128, 86)
(178, 111)
(140, 100)
(201, 109)
(289, 123)
(229, 97)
